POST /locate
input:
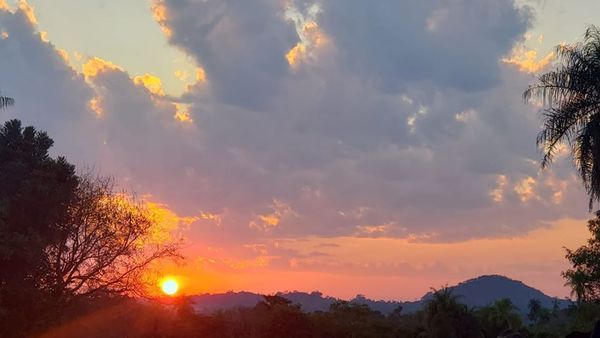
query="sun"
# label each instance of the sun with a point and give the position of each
(169, 286)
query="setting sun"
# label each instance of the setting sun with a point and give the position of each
(169, 286)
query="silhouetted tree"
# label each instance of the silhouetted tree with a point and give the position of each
(537, 315)
(584, 276)
(63, 238)
(35, 192)
(571, 94)
(104, 246)
(446, 317)
(576, 280)
(499, 317)
(6, 101)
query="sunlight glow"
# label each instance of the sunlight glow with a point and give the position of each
(169, 286)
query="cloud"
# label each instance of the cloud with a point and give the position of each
(527, 60)
(96, 65)
(150, 82)
(398, 126)
(241, 45)
(446, 43)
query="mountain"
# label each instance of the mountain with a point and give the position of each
(476, 292)
(484, 290)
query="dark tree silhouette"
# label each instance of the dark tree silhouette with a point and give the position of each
(104, 246)
(584, 276)
(35, 191)
(6, 101)
(499, 317)
(446, 317)
(571, 95)
(64, 239)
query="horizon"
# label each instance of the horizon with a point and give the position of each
(297, 145)
(395, 300)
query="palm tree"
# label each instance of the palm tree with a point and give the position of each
(6, 101)
(571, 95)
(446, 317)
(576, 281)
(504, 312)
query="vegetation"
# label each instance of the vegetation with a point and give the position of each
(64, 239)
(571, 94)
(584, 276)
(276, 317)
(6, 101)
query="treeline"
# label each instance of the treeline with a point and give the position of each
(275, 317)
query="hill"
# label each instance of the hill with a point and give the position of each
(484, 290)
(476, 292)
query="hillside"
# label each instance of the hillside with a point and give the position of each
(474, 292)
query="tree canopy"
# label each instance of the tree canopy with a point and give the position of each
(64, 237)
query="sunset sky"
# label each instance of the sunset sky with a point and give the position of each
(347, 146)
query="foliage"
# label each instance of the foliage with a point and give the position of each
(584, 276)
(64, 239)
(6, 101)
(571, 94)
(537, 315)
(35, 191)
(445, 316)
(278, 317)
(498, 317)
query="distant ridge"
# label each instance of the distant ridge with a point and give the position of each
(484, 290)
(476, 292)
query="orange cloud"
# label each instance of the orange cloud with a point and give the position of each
(95, 105)
(211, 217)
(44, 36)
(497, 194)
(200, 74)
(271, 220)
(296, 54)
(376, 266)
(311, 38)
(150, 82)
(371, 230)
(28, 10)
(167, 222)
(182, 113)
(526, 189)
(63, 54)
(159, 11)
(527, 60)
(4, 5)
(96, 66)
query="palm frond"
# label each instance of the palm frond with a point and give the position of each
(571, 97)
(6, 101)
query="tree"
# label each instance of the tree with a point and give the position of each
(6, 101)
(104, 245)
(537, 314)
(35, 191)
(571, 94)
(64, 238)
(499, 317)
(576, 280)
(446, 317)
(584, 276)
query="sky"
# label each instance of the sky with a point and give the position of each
(347, 146)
